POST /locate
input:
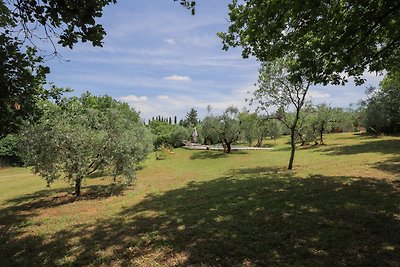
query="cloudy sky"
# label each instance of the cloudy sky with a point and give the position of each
(163, 61)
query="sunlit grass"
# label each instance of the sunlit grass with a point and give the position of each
(339, 206)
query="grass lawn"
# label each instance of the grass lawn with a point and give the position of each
(339, 207)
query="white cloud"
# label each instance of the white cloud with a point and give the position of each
(170, 41)
(133, 98)
(202, 41)
(178, 78)
(317, 94)
(176, 104)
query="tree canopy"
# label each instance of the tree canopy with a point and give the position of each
(224, 129)
(382, 108)
(21, 78)
(330, 40)
(83, 135)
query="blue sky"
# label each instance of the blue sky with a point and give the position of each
(163, 61)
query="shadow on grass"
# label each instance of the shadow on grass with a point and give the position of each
(261, 216)
(18, 211)
(391, 165)
(61, 196)
(284, 148)
(102, 191)
(209, 154)
(359, 135)
(375, 146)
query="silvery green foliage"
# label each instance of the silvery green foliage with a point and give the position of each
(179, 134)
(278, 89)
(76, 139)
(224, 129)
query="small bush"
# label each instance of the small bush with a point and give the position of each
(180, 133)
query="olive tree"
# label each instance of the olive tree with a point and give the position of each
(248, 126)
(256, 127)
(178, 135)
(322, 121)
(224, 129)
(277, 88)
(84, 135)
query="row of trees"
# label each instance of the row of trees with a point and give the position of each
(252, 128)
(75, 137)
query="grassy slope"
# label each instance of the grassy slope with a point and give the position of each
(339, 207)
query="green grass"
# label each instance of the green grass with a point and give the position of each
(341, 206)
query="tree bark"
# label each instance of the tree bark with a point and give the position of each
(78, 183)
(225, 147)
(228, 148)
(293, 150)
(259, 143)
(292, 136)
(321, 136)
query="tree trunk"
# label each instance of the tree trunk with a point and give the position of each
(303, 140)
(225, 147)
(321, 133)
(228, 148)
(78, 183)
(300, 103)
(293, 150)
(259, 142)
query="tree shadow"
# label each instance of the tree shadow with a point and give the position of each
(48, 198)
(103, 191)
(259, 217)
(391, 165)
(269, 145)
(208, 155)
(18, 210)
(285, 148)
(359, 135)
(262, 171)
(376, 146)
(255, 217)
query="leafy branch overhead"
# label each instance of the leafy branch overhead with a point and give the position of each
(24, 25)
(330, 40)
(69, 21)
